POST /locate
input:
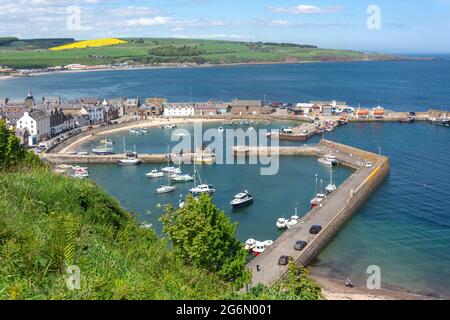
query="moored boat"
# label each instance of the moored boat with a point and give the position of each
(155, 174)
(242, 199)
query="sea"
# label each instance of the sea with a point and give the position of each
(404, 228)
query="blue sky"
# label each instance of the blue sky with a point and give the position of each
(406, 26)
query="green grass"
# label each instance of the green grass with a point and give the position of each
(118, 259)
(212, 51)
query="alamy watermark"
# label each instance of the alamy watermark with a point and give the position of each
(73, 22)
(374, 20)
(73, 280)
(374, 280)
(231, 146)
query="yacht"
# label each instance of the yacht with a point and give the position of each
(325, 161)
(131, 157)
(165, 189)
(202, 188)
(260, 247)
(242, 199)
(181, 178)
(281, 223)
(155, 174)
(250, 244)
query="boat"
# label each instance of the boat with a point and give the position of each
(251, 129)
(325, 162)
(317, 200)
(329, 129)
(281, 223)
(260, 247)
(155, 174)
(80, 172)
(205, 158)
(331, 158)
(131, 157)
(220, 129)
(242, 199)
(287, 130)
(181, 178)
(443, 121)
(331, 187)
(291, 222)
(103, 151)
(168, 169)
(106, 142)
(250, 244)
(165, 189)
(201, 188)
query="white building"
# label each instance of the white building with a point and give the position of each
(96, 115)
(179, 110)
(305, 107)
(37, 123)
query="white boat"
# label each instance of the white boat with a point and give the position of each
(106, 142)
(131, 157)
(250, 244)
(260, 247)
(182, 178)
(292, 222)
(325, 161)
(155, 174)
(287, 130)
(202, 189)
(251, 129)
(242, 199)
(221, 130)
(281, 223)
(165, 189)
(168, 169)
(331, 158)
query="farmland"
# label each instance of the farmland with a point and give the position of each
(154, 51)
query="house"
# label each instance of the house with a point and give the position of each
(110, 111)
(131, 107)
(179, 110)
(150, 110)
(327, 111)
(96, 115)
(303, 108)
(246, 107)
(37, 123)
(160, 102)
(211, 108)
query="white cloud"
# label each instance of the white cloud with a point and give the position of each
(131, 11)
(305, 9)
(211, 36)
(155, 21)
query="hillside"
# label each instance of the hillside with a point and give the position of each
(153, 51)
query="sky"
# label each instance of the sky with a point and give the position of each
(388, 26)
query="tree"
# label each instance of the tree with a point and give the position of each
(204, 237)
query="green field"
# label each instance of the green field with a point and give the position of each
(153, 51)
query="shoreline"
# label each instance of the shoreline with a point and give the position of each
(333, 288)
(212, 65)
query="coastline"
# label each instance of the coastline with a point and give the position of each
(334, 289)
(209, 65)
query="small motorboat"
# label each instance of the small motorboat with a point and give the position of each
(242, 199)
(131, 159)
(291, 222)
(250, 244)
(331, 158)
(287, 130)
(181, 178)
(102, 151)
(260, 247)
(202, 189)
(221, 130)
(155, 174)
(281, 223)
(165, 189)
(169, 169)
(325, 161)
(317, 200)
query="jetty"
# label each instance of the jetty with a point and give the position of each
(331, 215)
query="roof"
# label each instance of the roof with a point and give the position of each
(38, 115)
(246, 103)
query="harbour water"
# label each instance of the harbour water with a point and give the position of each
(404, 228)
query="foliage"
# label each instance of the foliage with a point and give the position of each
(172, 51)
(204, 237)
(12, 154)
(7, 40)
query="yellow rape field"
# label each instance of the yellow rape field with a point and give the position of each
(88, 44)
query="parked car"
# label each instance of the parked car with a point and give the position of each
(284, 260)
(300, 245)
(315, 229)
(368, 164)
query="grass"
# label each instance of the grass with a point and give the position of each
(210, 51)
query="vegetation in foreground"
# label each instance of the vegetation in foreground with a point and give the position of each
(49, 222)
(17, 53)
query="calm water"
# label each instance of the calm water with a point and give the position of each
(404, 228)
(409, 85)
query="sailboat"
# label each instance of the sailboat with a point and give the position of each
(165, 189)
(319, 196)
(168, 169)
(332, 186)
(201, 188)
(131, 158)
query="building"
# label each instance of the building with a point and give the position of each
(110, 111)
(131, 107)
(150, 110)
(304, 108)
(246, 107)
(37, 123)
(95, 113)
(179, 110)
(327, 111)
(211, 108)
